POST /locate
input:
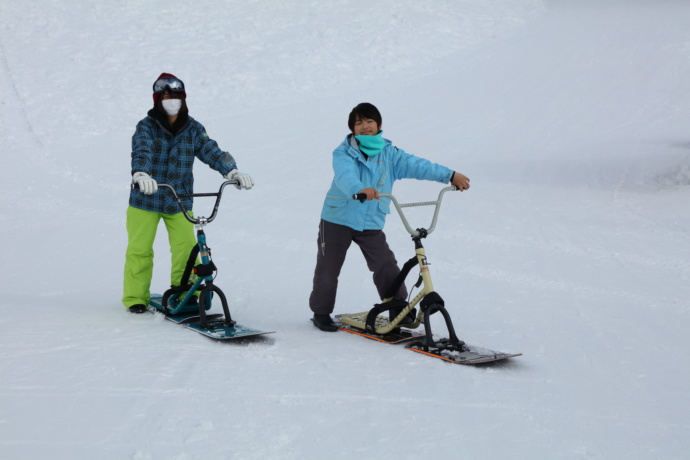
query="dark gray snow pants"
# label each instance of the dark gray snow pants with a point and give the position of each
(333, 242)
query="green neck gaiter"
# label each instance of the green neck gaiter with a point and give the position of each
(371, 145)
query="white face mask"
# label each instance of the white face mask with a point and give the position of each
(172, 106)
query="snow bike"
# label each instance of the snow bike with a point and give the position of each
(179, 303)
(371, 325)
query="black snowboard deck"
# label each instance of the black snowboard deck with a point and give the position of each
(444, 349)
(467, 354)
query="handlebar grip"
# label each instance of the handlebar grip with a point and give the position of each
(362, 197)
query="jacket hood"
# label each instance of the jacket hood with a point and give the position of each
(158, 114)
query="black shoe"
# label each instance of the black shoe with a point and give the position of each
(138, 308)
(325, 323)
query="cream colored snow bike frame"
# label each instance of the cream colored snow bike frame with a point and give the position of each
(383, 325)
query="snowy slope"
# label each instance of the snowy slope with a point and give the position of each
(571, 118)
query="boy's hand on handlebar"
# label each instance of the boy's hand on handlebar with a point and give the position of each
(371, 193)
(461, 181)
(244, 181)
(146, 183)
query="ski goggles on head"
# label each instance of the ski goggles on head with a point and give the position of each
(173, 84)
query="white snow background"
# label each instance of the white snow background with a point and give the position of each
(571, 117)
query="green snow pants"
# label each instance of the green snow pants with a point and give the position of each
(141, 231)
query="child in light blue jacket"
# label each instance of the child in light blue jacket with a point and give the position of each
(365, 163)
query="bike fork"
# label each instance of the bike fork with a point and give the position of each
(432, 301)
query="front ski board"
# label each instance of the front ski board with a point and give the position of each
(215, 327)
(219, 331)
(393, 337)
(472, 355)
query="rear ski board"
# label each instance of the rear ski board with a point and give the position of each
(356, 322)
(469, 356)
(396, 336)
(215, 327)
(157, 302)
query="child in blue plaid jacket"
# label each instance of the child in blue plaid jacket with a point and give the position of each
(164, 147)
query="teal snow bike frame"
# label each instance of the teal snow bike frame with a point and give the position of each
(181, 299)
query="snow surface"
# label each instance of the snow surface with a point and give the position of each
(571, 117)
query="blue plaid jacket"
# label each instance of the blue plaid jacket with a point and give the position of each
(169, 160)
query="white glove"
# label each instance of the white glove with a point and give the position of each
(146, 183)
(244, 181)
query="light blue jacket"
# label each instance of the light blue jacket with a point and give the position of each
(354, 172)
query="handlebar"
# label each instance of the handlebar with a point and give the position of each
(420, 232)
(200, 220)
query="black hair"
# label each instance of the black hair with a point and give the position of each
(159, 103)
(364, 110)
(174, 95)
